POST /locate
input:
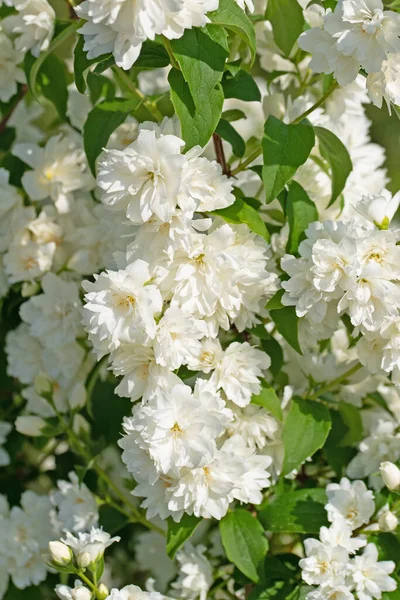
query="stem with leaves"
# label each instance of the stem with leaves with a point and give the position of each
(317, 104)
(126, 82)
(336, 382)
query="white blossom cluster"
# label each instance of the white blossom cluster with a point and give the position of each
(334, 563)
(182, 279)
(358, 33)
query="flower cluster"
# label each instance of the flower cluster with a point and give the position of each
(358, 33)
(332, 562)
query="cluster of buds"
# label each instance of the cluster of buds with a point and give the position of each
(390, 474)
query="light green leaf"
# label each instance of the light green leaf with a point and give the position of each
(234, 114)
(301, 211)
(244, 542)
(334, 151)
(304, 432)
(230, 135)
(241, 212)
(301, 511)
(51, 81)
(101, 122)
(285, 149)
(287, 20)
(232, 17)
(82, 64)
(269, 400)
(287, 322)
(178, 533)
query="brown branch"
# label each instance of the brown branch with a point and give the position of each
(220, 154)
(4, 121)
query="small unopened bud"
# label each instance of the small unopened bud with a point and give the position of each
(103, 591)
(42, 385)
(30, 425)
(29, 288)
(387, 521)
(390, 475)
(81, 593)
(84, 559)
(60, 553)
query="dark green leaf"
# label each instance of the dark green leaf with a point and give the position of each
(334, 151)
(244, 542)
(275, 303)
(152, 56)
(82, 64)
(240, 212)
(287, 20)
(269, 400)
(301, 211)
(287, 323)
(33, 593)
(230, 135)
(51, 81)
(7, 138)
(242, 86)
(304, 432)
(271, 590)
(107, 422)
(234, 114)
(285, 149)
(275, 352)
(101, 122)
(232, 17)
(178, 533)
(100, 87)
(111, 519)
(301, 511)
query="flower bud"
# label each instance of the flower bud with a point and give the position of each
(84, 559)
(379, 209)
(103, 591)
(81, 593)
(387, 521)
(390, 475)
(30, 425)
(60, 553)
(29, 288)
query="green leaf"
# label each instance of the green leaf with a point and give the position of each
(269, 400)
(51, 81)
(244, 542)
(305, 431)
(275, 303)
(111, 519)
(334, 151)
(287, 20)
(33, 593)
(152, 56)
(230, 135)
(285, 149)
(241, 212)
(232, 17)
(351, 418)
(234, 114)
(287, 323)
(100, 87)
(271, 590)
(346, 431)
(242, 86)
(101, 122)
(7, 138)
(178, 533)
(275, 352)
(301, 211)
(196, 92)
(301, 511)
(82, 64)
(107, 424)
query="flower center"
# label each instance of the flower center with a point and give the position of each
(176, 430)
(373, 24)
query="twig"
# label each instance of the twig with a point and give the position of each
(220, 154)
(4, 121)
(336, 382)
(317, 104)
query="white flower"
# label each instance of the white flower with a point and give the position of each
(24, 360)
(54, 316)
(385, 85)
(254, 424)
(350, 501)
(195, 573)
(5, 429)
(141, 375)
(60, 553)
(238, 372)
(121, 307)
(341, 534)
(324, 564)
(150, 556)
(177, 338)
(33, 25)
(246, 4)
(28, 261)
(30, 425)
(121, 28)
(133, 592)
(9, 210)
(371, 577)
(58, 170)
(387, 521)
(143, 179)
(339, 592)
(208, 356)
(390, 474)
(10, 74)
(76, 506)
(93, 543)
(379, 209)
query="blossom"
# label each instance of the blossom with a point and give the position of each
(371, 577)
(93, 543)
(350, 501)
(324, 564)
(133, 592)
(54, 316)
(195, 573)
(33, 25)
(10, 73)
(76, 506)
(60, 553)
(379, 209)
(390, 475)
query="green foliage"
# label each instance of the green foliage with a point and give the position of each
(179, 533)
(301, 211)
(287, 20)
(287, 323)
(268, 399)
(82, 64)
(305, 430)
(242, 86)
(334, 151)
(301, 511)
(241, 212)
(232, 17)
(285, 149)
(244, 542)
(51, 81)
(229, 134)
